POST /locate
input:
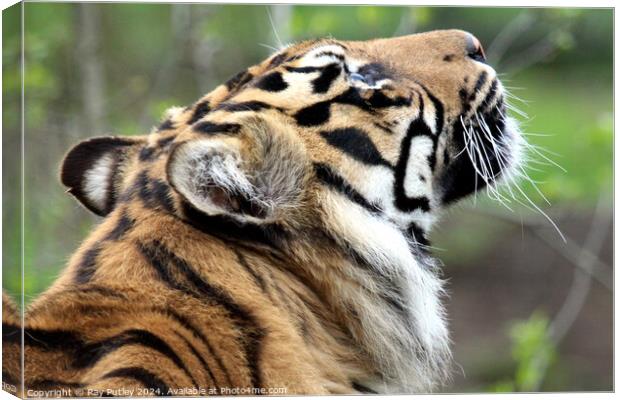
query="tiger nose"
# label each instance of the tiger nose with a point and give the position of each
(474, 49)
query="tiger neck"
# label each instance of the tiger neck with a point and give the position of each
(387, 296)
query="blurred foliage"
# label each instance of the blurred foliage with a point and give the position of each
(557, 61)
(532, 351)
(532, 348)
(577, 120)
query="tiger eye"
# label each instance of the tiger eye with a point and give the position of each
(357, 77)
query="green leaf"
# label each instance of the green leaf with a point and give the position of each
(533, 351)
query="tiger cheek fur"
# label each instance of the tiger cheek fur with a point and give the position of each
(274, 233)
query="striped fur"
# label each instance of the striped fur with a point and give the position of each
(273, 235)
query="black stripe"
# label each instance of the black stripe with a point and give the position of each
(222, 226)
(356, 143)
(147, 153)
(124, 224)
(323, 82)
(361, 388)
(460, 177)
(9, 378)
(329, 177)
(482, 78)
(315, 114)
(384, 128)
(163, 260)
(465, 103)
(418, 235)
(380, 100)
(304, 70)
(164, 126)
(439, 124)
(198, 356)
(200, 111)
(253, 105)
(11, 333)
(165, 141)
(141, 185)
(146, 378)
(185, 323)
(277, 59)
(85, 355)
(439, 110)
(255, 275)
(329, 54)
(53, 339)
(294, 309)
(212, 128)
(89, 354)
(486, 103)
(88, 265)
(272, 82)
(468, 98)
(160, 195)
(239, 79)
(377, 100)
(401, 200)
(319, 113)
(154, 193)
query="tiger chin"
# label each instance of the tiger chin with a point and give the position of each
(274, 233)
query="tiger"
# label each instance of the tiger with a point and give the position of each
(272, 237)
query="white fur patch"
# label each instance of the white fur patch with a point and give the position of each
(513, 140)
(412, 353)
(429, 117)
(320, 56)
(173, 112)
(97, 181)
(300, 85)
(421, 149)
(204, 164)
(377, 85)
(377, 186)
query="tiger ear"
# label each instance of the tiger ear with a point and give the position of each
(92, 170)
(257, 175)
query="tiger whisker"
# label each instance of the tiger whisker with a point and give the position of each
(543, 214)
(516, 111)
(543, 149)
(471, 155)
(534, 185)
(510, 88)
(268, 46)
(537, 134)
(538, 162)
(499, 152)
(534, 168)
(537, 152)
(273, 27)
(487, 174)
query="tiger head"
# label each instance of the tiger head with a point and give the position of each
(365, 142)
(400, 127)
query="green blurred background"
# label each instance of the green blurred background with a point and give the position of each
(528, 311)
